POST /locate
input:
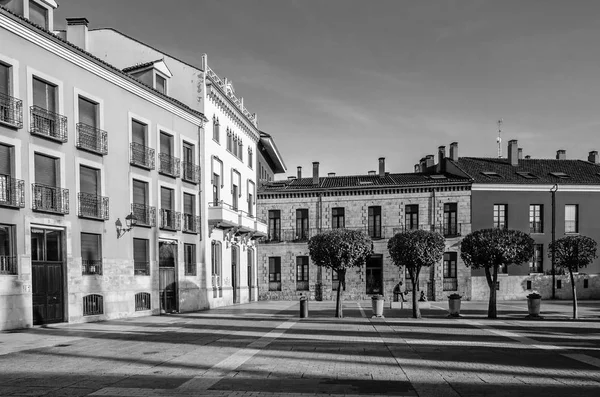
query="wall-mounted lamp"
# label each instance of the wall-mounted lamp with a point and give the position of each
(130, 221)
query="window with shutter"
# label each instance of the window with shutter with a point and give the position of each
(5, 160)
(46, 170)
(88, 112)
(5, 79)
(140, 256)
(166, 198)
(44, 95)
(166, 144)
(188, 153)
(88, 180)
(90, 247)
(140, 192)
(188, 204)
(138, 132)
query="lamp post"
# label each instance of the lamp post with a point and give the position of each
(130, 221)
(553, 192)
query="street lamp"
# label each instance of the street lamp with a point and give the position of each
(130, 221)
(553, 192)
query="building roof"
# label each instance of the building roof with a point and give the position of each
(267, 143)
(530, 171)
(405, 180)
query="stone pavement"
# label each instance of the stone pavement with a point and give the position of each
(264, 349)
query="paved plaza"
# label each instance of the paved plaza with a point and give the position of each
(263, 348)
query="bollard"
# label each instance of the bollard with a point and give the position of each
(303, 307)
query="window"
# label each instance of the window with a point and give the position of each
(536, 217)
(141, 154)
(450, 219)
(302, 273)
(302, 224)
(234, 196)
(250, 204)
(93, 305)
(11, 109)
(191, 172)
(240, 150)
(250, 158)
(91, 203)
(274, 225)
(38, 14)
(141, 263)
(374, 224)
(189, 257)
(47, 195)
(450, 280)
(88, 112)
(216, 263)
(143, 212)
(500, 215)
(160, 84)
(91, 253)
(216, 189)
(229, 140)
(537, 260)
(11, 189)
(189, 211)
(168, 164)
(142, 301)
(216, 129)
(45, 95)
(338, 220)
(571, 218)
(274, 273)
(5, 83)
(8, 257)
(411, 217)
(168, 217)
(250, 267)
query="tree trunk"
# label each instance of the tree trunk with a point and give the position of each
(574, 288)
(492, 279)
(339, 312)
(414, 278)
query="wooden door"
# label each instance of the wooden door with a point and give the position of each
(47, 276)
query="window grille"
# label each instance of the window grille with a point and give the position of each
(93, 305)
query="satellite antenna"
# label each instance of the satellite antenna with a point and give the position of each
(499, 140)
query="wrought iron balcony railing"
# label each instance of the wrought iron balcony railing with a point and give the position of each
(450, 284)
(12, 193)
(168, 165)
(92, 206)
(289, 235)
(191, 223)
(169, 219)
(146, 215)
(11, 111)
(191, 172)
(92, 139)
(142, 156)
(90, 267)
(48, 124)
(141, 268)
(536, 227)
(8, 265)
(50, 199)
(448, 229)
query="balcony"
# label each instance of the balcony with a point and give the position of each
(141, 156)
(92, 139)
(452, 230)
(50, 199)
(168, 165)
(222, 215)
(11, 111)
(141, 268)
(170, 220)
(146, 215)
(91, 267)
(289, 235)
(12, 193)
(92, 206)
(47, 124)
(450, 284)
(191, 172)
(191, 223)
(246, 222)
(8, 265)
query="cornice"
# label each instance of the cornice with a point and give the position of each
(228, 107)
(534, 188)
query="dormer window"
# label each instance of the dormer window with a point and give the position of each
(155, 73)
(561, 175)
(527, 175)
(38, 14)
(491, 174)
(160, 83)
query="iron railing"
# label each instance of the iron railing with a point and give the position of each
(145, 215)
(191, 172)
(48, 124)
(92, 206)
(12, 193)
(90, 267)
(448, 229)
(92, 139)
(141, 156)
(169, 219)
(50, 199)
(191, 223)
(450, 284)
(93, 305)
(11, 111)
(8, 265)
(142, 301)
(141, 268)
(168, 165)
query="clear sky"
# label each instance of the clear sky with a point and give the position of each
(344, 82)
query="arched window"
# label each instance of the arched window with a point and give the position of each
(216, 129)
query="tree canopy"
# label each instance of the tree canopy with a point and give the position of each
(573, 252)
(339, 248)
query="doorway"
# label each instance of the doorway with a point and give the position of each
(235, 256)
(374, 274)
(47, 276)
(167, 285)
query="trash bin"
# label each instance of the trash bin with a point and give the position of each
(303, 307)
(377, 305)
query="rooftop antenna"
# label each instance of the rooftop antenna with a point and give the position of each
(499, 140)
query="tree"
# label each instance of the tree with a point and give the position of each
(340, 249)
(573, 253)
(491, 248)
(416, 249)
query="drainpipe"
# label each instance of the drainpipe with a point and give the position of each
(553, 192)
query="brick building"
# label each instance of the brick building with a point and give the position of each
(378, 203)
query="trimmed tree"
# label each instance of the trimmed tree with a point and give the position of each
(340, 249)
(416, 249)
(573, 253)
(491, 248)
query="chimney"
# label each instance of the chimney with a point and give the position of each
(77, 32)
(561, 154)
(422, 164)
(527, 157)
(382, 167)
(454, 151)
(429, 160)
(315, 173)
(441, 157)
(299, 172)
(520, 153)
(593, 157)
(513, 157)
(417, 168)
(372, 173)
(331, 174)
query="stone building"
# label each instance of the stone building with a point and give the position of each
(378, 203)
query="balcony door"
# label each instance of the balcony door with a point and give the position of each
(167, 258)
(47, 276)
(89, 187)
(46, 182)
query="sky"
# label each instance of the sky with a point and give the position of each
(344, 82)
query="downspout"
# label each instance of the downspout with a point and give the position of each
(433, 207)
